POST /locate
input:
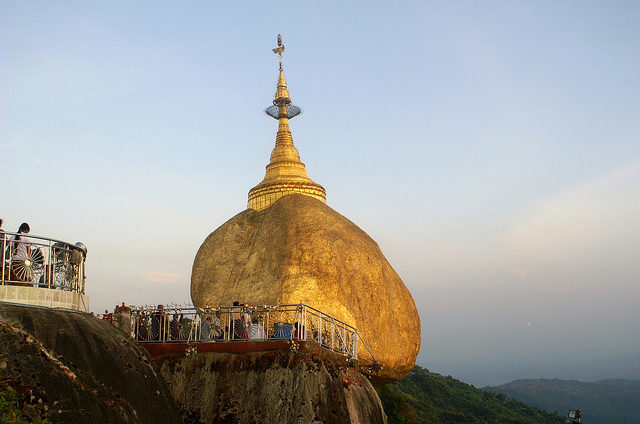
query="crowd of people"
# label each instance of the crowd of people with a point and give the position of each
(238, 322)
(224, 324)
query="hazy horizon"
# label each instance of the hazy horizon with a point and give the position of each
(492, 150)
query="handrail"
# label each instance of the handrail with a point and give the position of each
(219, 324)
(36, 261)
(373, 358)
(35, 236)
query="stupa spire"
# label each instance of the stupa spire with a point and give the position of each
(285, 173)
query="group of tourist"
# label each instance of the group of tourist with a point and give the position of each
(242, 325)
(235, 323)
(158, 326)
(239, 322)
(161, 325)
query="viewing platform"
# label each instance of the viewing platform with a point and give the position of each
(178, 331)
(40, 271)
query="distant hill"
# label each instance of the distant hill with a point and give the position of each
(426, 397)
(601, 402)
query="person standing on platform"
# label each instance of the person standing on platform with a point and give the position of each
(205, 330)
(256, 330)
(237, 321)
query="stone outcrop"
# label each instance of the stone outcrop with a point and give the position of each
(74, 368)
(299, 250)
(271, 387)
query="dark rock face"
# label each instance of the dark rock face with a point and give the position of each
(271, 387)
(74, 368)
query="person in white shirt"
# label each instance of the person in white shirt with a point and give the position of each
(20, 243)
(256, 330)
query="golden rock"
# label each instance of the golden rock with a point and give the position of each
(300, 250)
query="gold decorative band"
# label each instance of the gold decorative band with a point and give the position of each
(263, 196)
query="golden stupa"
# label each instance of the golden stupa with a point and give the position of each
(290, 247)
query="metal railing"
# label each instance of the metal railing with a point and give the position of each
(35, 261)
(220, 324)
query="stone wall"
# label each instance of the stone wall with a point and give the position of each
(39, 296)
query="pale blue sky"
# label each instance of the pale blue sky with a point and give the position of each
(491, 148)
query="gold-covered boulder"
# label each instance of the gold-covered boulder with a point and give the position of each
(299, 250)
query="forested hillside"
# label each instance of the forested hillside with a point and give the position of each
(426, 397)
(601, 402)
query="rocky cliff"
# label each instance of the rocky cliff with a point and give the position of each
(74, 368)
(310, 386)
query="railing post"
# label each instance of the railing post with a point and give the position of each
(304, 324)
(4, 247)
(293, 332)
(81, 274)
(355, 345)
(48, 267)
(163, 317)
(136, 326)
(10, 259)
(300, 326)
(333, 334)
(199, 327)
(193, 330)
(52, 267)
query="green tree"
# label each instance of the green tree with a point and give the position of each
(425, 397)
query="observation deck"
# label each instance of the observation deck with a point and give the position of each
(40, 271)
(179, 332)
